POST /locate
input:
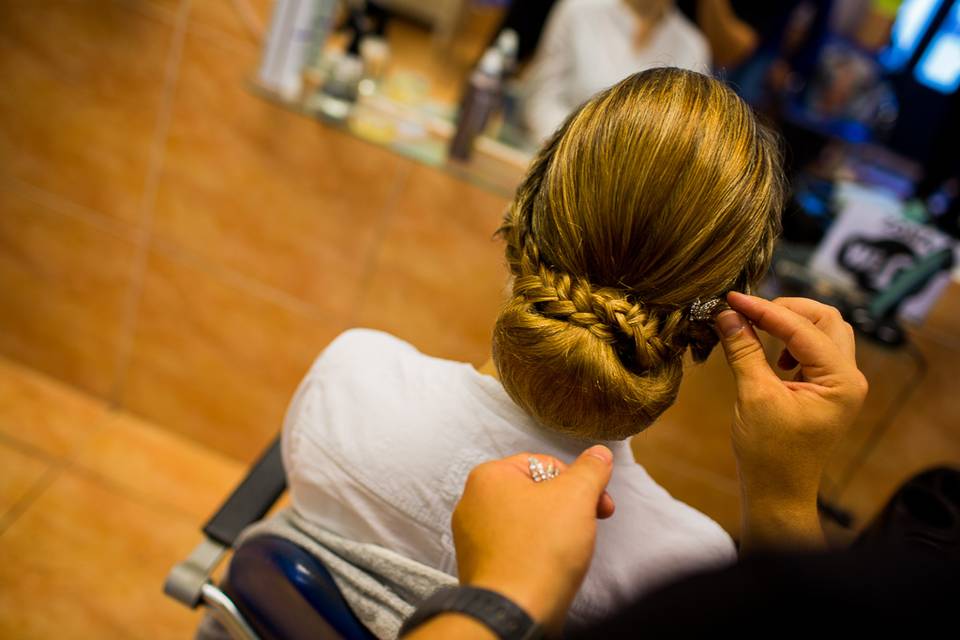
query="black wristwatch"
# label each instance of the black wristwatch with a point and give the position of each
(497, 612)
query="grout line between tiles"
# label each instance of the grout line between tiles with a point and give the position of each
(142, 497)
(61, 206)
(148, 204)
(30, 450)
(61, 468)
(387, 214)
(35, 491)
(237, 279)
(70, 462)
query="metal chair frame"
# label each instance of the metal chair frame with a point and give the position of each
(189, 582)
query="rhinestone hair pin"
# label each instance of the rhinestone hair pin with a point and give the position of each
(539, 473)
(704, 310)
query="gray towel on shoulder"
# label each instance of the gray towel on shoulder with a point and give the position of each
(381, 587)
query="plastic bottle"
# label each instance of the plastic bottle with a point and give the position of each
(298, 29)
(480, 100)
(508, 44)
(510, 129)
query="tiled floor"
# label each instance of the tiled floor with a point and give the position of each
(95, 507)
(180, 250)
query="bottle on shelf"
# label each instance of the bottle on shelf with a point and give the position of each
(298, 29)
(508, 44)
(480, 100)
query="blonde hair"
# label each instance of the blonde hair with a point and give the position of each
(658, 191)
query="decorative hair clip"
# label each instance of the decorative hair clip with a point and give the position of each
(703, 311)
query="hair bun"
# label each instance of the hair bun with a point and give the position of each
(609, 355)
(575, 371)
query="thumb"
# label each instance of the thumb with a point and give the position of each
(742, 348)
(596, 466)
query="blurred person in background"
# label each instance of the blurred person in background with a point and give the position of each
(589, 45)
(758, 44)
(738, 29)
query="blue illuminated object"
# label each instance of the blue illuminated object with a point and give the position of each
(939, 66)
(913, 20)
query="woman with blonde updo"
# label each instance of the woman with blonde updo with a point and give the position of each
(658, 193)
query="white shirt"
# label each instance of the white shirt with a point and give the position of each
(379, 439)
(589, 45)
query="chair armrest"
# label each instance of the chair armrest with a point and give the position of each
(252, 498)
(188, 581)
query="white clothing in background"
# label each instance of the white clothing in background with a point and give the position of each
(379, 439)
(589, 45)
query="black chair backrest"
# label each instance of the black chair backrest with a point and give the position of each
(251, 499)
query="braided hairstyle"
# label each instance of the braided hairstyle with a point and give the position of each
(658, 191)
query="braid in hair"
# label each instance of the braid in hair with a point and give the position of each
(644, 338)
(641, 337)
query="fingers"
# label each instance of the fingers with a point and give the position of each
(818, 355)
(743, 350)
(606, 507)
(595, 463)
(826, 318)
(593, 469)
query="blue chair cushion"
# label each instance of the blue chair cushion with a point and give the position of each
(287, 594)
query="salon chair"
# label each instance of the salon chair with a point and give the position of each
(273, 589)
(276, 590)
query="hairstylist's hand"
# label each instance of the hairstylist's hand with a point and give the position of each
(783, 431)
(531, 541)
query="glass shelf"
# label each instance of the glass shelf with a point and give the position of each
(419, 131)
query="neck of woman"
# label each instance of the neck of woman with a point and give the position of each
(489, 369)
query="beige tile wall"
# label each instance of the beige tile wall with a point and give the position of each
(183, 249)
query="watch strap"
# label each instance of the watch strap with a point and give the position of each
(500, 614)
